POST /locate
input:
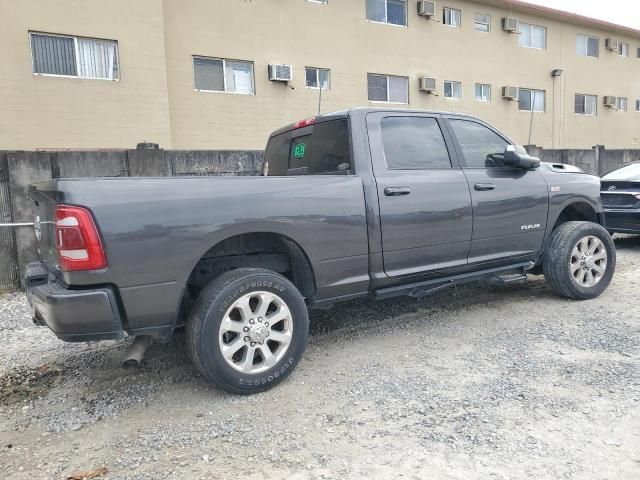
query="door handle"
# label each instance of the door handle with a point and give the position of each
(484, 186)
(396, 191)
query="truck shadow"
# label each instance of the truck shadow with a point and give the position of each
(627, 242)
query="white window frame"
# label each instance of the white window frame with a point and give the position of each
(586, 52)
(317, 69)
(619, 103)
(386, 15)
(532, 26)
(476, 22)
(319, 1)
(387, 78)
(444, 16)
(584, 98)
(77, 56)
(224, 75)
(452, 82)
(623, 49)
(483, 86)
(531, 90)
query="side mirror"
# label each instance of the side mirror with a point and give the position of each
(517, 156)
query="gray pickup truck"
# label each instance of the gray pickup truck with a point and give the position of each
(360, 203)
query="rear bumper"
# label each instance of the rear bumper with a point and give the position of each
(622, 220)
(73, 315)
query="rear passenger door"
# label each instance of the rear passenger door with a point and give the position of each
(424, 199)
(510, 205)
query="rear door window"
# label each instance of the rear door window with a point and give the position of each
(414, 143)
(324, 150)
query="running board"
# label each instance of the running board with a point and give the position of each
(420, 289)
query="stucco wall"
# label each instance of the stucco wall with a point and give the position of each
(155, 100)
(336, 35)
(56, 112)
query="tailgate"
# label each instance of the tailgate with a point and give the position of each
(45, 195)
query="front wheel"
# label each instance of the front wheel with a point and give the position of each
(580, 260)
(248, 330)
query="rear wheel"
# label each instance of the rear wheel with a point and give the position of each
(580, 260)
(247, 330)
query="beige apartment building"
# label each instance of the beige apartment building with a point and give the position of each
(194, 74)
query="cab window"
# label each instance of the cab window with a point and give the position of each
(324, 150)
(414, 143)
(481, 147)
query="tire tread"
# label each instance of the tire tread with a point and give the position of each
(554, 265)
(210, 294)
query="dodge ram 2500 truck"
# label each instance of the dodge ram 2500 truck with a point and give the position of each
(359, 203)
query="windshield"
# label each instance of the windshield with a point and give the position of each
(630, 173)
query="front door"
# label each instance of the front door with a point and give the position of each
(424, 200)
(510, 205)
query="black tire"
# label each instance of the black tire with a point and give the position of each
(209, 310)
(558, 255)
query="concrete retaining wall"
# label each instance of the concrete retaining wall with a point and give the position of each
(20, 169)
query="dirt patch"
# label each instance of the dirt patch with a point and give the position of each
(27, 384)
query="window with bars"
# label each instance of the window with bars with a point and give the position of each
(69, 56)
(451, 17)
(387, 88)
(483, 92)
(393, 12)
(531, 100)
(587, 46)
(223, 75)
(318, 77)
(533, 36)
(585, 104)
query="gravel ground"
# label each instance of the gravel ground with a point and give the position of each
(477, 382)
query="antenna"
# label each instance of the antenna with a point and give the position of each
(533, 103)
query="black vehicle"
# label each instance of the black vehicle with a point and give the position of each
(620, 191)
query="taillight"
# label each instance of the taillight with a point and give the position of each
(77, 240)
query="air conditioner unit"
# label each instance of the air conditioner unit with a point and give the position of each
(610, 101)
(510, 93)
(611, 44)
(510, 24)
(280, 73)
(426, 9)
(427, 84)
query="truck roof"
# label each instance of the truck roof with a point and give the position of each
(362, 110)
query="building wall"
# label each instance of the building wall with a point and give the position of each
(55, 112)
(155, 99)
(336, 35)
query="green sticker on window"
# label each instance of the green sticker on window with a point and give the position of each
(300, 150)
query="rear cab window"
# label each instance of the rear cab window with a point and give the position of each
(319, 149)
